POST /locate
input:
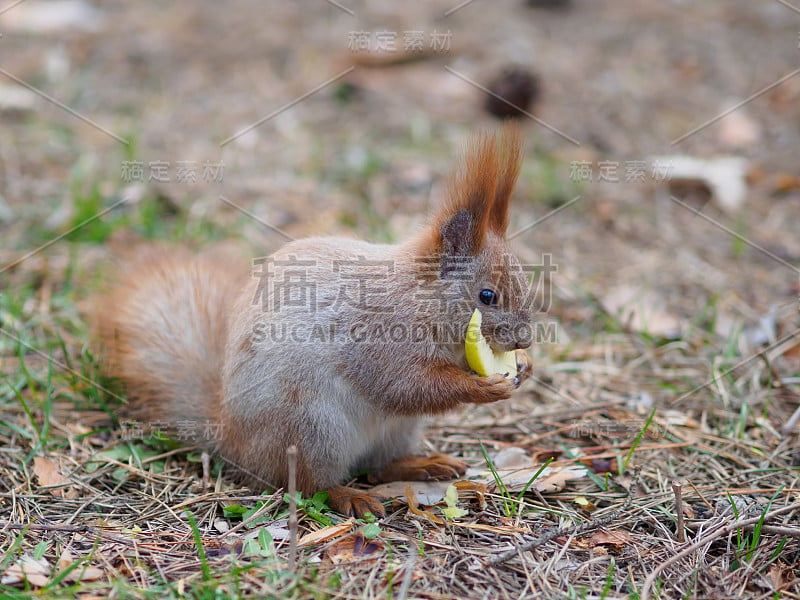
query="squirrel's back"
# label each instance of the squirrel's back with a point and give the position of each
(162, 327)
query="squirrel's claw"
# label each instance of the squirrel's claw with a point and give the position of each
(491, 389)
(524, 367)
(353, 502)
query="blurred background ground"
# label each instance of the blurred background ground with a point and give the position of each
(272, 108)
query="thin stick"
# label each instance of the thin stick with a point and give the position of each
(792, 422)
(706, 539)
(205, 460)
(291, 457)
(677, 490)
(86, 529)
(567, 531)
(408, 575)
(703, 498)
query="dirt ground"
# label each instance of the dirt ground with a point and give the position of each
(262, 120)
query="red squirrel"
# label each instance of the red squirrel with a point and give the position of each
(337, 346)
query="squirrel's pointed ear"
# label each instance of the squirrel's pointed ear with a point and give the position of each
(478, 194)
(456, 235)
(464, 219)
(509, 160)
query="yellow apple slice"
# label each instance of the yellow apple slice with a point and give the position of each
(480, 356)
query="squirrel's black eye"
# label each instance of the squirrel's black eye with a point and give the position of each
(488, 297)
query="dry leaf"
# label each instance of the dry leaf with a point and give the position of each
(778, 575)
(551, 479)
(468, 488)
(36, 571)
(616, 538)
(427, 493)
(80, 573)
(414, 509)
(557, 480)
(543, 456)
(326, 533)
(600, 465)
(726, 177)
(784, 182)
(355, 547)
(511, 457)
(48, 473)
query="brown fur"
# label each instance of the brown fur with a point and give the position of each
(421, 468)
(184, 334)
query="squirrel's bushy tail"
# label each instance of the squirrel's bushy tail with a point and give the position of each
(161, 327)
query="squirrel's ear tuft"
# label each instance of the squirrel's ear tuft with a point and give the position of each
(509, 161)
(478, 194)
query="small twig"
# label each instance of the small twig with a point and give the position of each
(677, 490)
(49, 527)
(792, 422)
(291, 457)
(205, 460)
(708, 504)
(408, 575)
(86, 529)
(567, 531)
(706, 539)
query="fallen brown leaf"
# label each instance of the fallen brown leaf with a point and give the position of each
(326, 533)
(427, 493)
(551, 479)
(48, 473)
(355, 547)
(616, 538)
(35, 571)
(413, 507)
(468, 488)
(778, 575)
(80, 573)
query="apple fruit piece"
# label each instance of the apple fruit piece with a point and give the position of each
(480, 356)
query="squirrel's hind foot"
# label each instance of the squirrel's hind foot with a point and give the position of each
(421, 468)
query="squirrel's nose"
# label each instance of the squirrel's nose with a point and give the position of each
(523, 336)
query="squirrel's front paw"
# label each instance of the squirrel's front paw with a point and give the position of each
(524, 367)
(491, 389)
(353, 502)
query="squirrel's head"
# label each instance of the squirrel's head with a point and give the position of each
(476, 268)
